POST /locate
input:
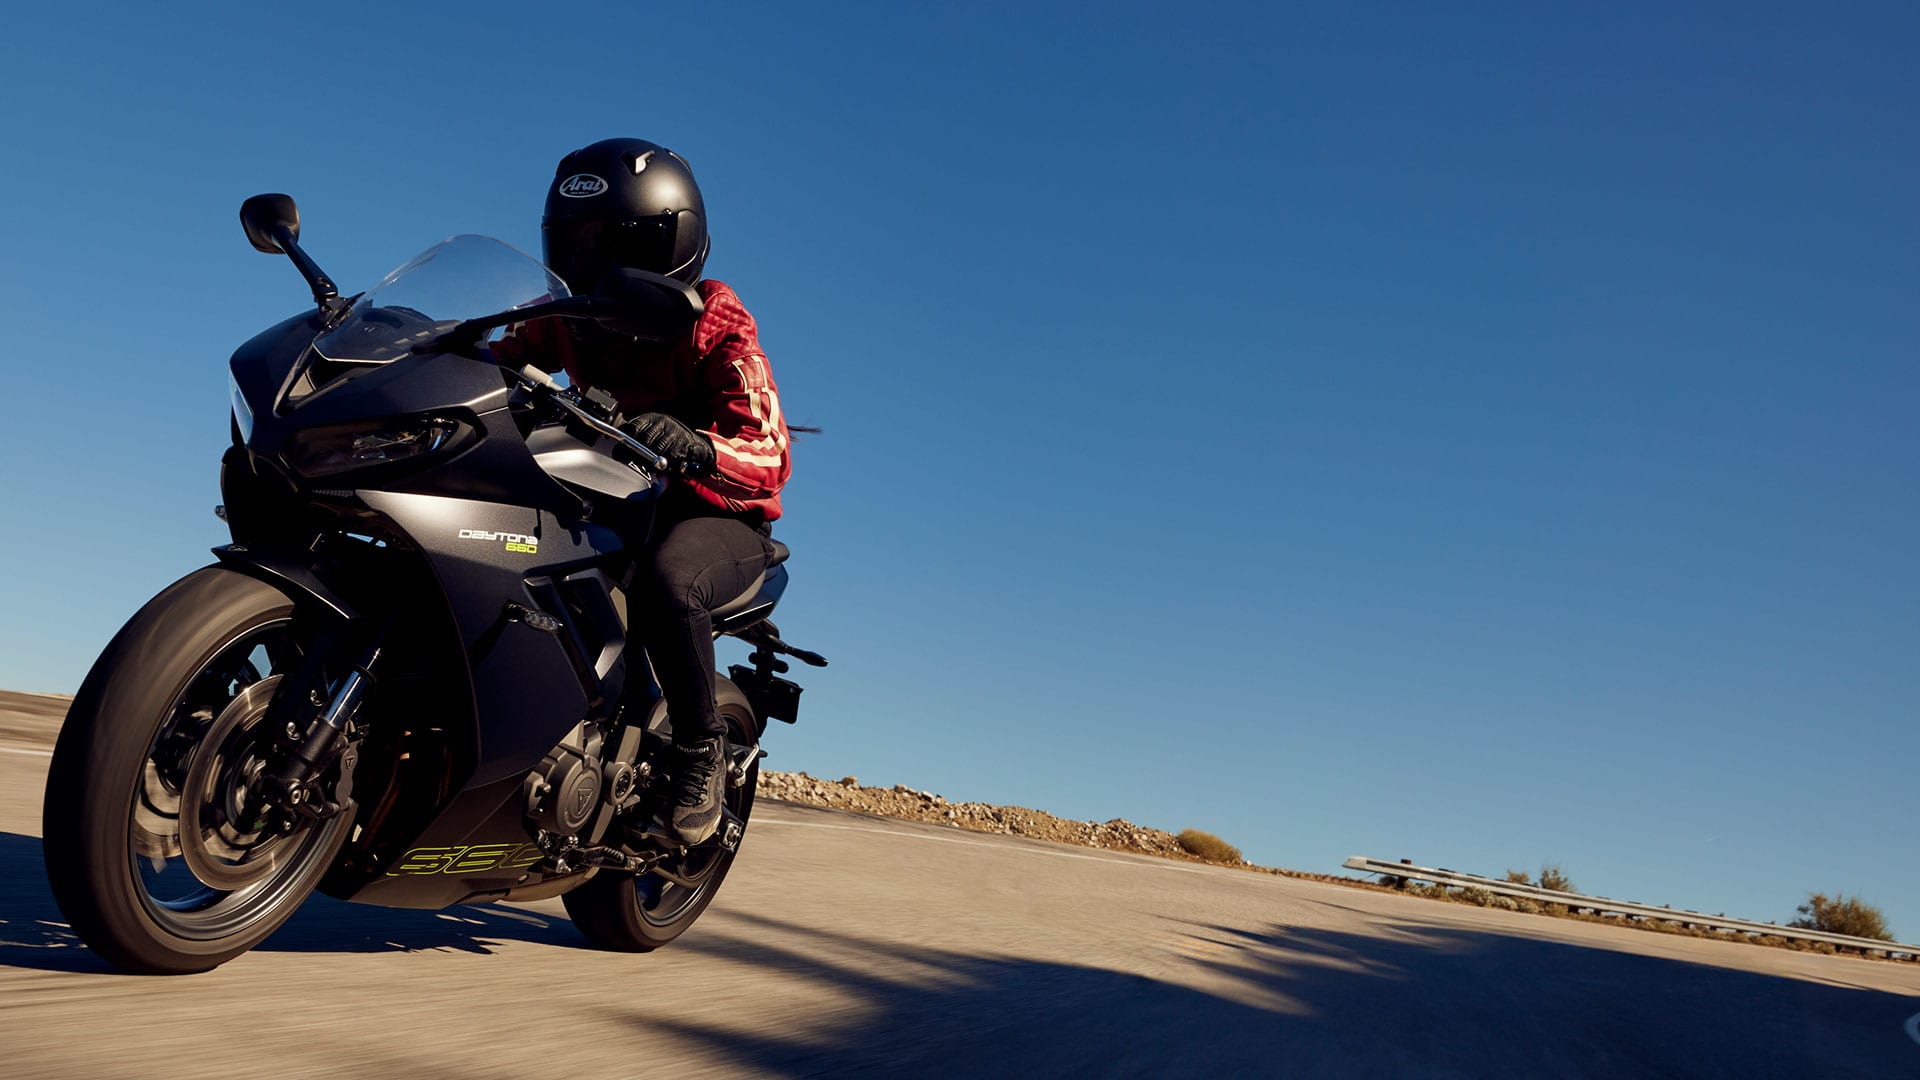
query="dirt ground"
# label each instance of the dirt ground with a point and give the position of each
(901, 801)
(31, 719)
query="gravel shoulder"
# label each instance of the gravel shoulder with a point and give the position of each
(31, 719)
(901, 801)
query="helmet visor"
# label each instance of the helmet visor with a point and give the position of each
(581, 252)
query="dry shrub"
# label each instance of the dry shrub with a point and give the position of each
(1519, 877)
(1842, 914)
(1208, 846)
(1552, 878)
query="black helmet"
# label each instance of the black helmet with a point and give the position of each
(626, 203)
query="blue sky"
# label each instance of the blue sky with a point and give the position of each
(1484, 436)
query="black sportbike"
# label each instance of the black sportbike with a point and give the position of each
(405, 682)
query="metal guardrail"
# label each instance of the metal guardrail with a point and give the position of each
(1601, 904)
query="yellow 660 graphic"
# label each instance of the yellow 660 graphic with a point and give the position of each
(466, 860)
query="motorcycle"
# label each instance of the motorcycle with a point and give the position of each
(405, 682)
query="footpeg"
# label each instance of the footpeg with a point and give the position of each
(743, 759)
(566, 855)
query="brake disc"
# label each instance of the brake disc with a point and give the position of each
(220, 837)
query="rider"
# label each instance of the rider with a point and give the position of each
(706, 402)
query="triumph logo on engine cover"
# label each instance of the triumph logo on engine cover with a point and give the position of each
(585, 791)
(516, 542)
(582, 186)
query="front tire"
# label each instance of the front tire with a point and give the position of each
(625, 913)
(141, 806)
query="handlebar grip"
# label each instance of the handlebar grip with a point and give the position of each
(655, 461)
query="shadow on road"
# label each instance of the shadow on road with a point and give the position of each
(328, 925)
(1389, 999)
(33, 933)
(1287, 1001)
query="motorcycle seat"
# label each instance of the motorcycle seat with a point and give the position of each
(756, 603)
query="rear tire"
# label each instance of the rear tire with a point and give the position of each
(180, 669)
(625, 913)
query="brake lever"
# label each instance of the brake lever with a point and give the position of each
(540, 381)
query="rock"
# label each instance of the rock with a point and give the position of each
(913, 804)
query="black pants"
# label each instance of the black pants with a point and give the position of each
(701, 557)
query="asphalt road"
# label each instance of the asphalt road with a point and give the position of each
(846, 945)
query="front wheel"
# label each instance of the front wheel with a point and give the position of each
(639, 914)
(153, 837)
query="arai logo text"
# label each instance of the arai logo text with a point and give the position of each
(582, 185)
(520, 542)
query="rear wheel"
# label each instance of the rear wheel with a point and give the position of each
(155, 843)
(639, 914)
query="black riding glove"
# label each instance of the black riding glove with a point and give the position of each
(689, 452)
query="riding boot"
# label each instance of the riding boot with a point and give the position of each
(699, 787)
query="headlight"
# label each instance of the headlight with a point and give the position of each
(242, 416)
(329, 450)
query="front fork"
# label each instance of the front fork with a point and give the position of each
(332, 736)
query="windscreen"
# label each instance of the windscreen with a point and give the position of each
(458, 279)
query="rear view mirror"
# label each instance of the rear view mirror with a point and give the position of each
(265, 216)
(273, 226)
(652, 307)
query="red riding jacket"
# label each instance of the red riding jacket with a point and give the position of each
(714, 379)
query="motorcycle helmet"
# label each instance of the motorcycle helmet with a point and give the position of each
(623, 203)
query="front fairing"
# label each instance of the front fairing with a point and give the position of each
(477, 531)
(302, 376)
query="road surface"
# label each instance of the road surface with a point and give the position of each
(845, 945)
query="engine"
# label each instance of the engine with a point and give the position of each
(564, 791)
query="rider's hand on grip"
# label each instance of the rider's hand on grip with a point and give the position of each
(690, 452)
